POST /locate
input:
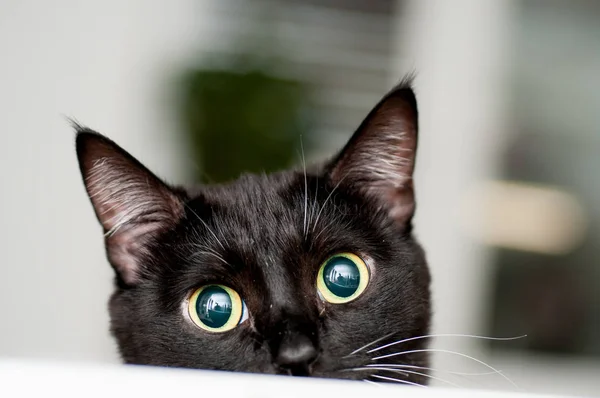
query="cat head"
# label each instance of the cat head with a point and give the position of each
(302, 272)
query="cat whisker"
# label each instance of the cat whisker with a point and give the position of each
(433, 369)
(447, 335)
(407, 372)
(370, 344)
(313, 210)
(410, 383)
(363, 368)
(211, 253)
(202, 249)
(372, 382)
(305, 228)
(314, 205)
(448, 352)
(206, 226)
(325, 202)
(463, 375)
(325, 227)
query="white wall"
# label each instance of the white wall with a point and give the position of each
(104, 63)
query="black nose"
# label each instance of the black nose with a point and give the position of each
(296, 353)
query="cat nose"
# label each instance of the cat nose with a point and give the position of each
(296, 353)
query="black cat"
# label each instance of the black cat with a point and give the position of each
(307, 273)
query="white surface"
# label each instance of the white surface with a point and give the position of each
(26, 379)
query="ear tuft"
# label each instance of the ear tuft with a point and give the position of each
(379, 159)
(131, 203)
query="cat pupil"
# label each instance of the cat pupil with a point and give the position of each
(214, 307)
(341, 276)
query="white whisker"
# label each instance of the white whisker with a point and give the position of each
(323, 230)
(399, 381)
(447, 335)
(305, 229)
(313, 210)
(433, 369)
(370, 344)
(463, 375)
(206, 226)
(372, 382)
(213, 254)
(363, 368)
(314, 205)
(449, 352)
(406, 372)
(325, 203)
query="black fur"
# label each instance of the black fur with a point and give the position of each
(258, 225)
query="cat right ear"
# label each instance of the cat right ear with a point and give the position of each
(379, 159)
(131, 203)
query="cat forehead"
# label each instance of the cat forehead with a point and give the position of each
(253, 194)
(254, 207)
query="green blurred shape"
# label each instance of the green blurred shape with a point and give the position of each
(242, 122)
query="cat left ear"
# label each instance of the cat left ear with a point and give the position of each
(131, 203)
(379, 159)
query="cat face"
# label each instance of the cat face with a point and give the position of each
(306, 273)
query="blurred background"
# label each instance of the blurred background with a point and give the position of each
(507, 174)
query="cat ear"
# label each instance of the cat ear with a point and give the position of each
(131, 203)
(379, 159)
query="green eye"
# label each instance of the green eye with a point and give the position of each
(342, 278)
(217, 308)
